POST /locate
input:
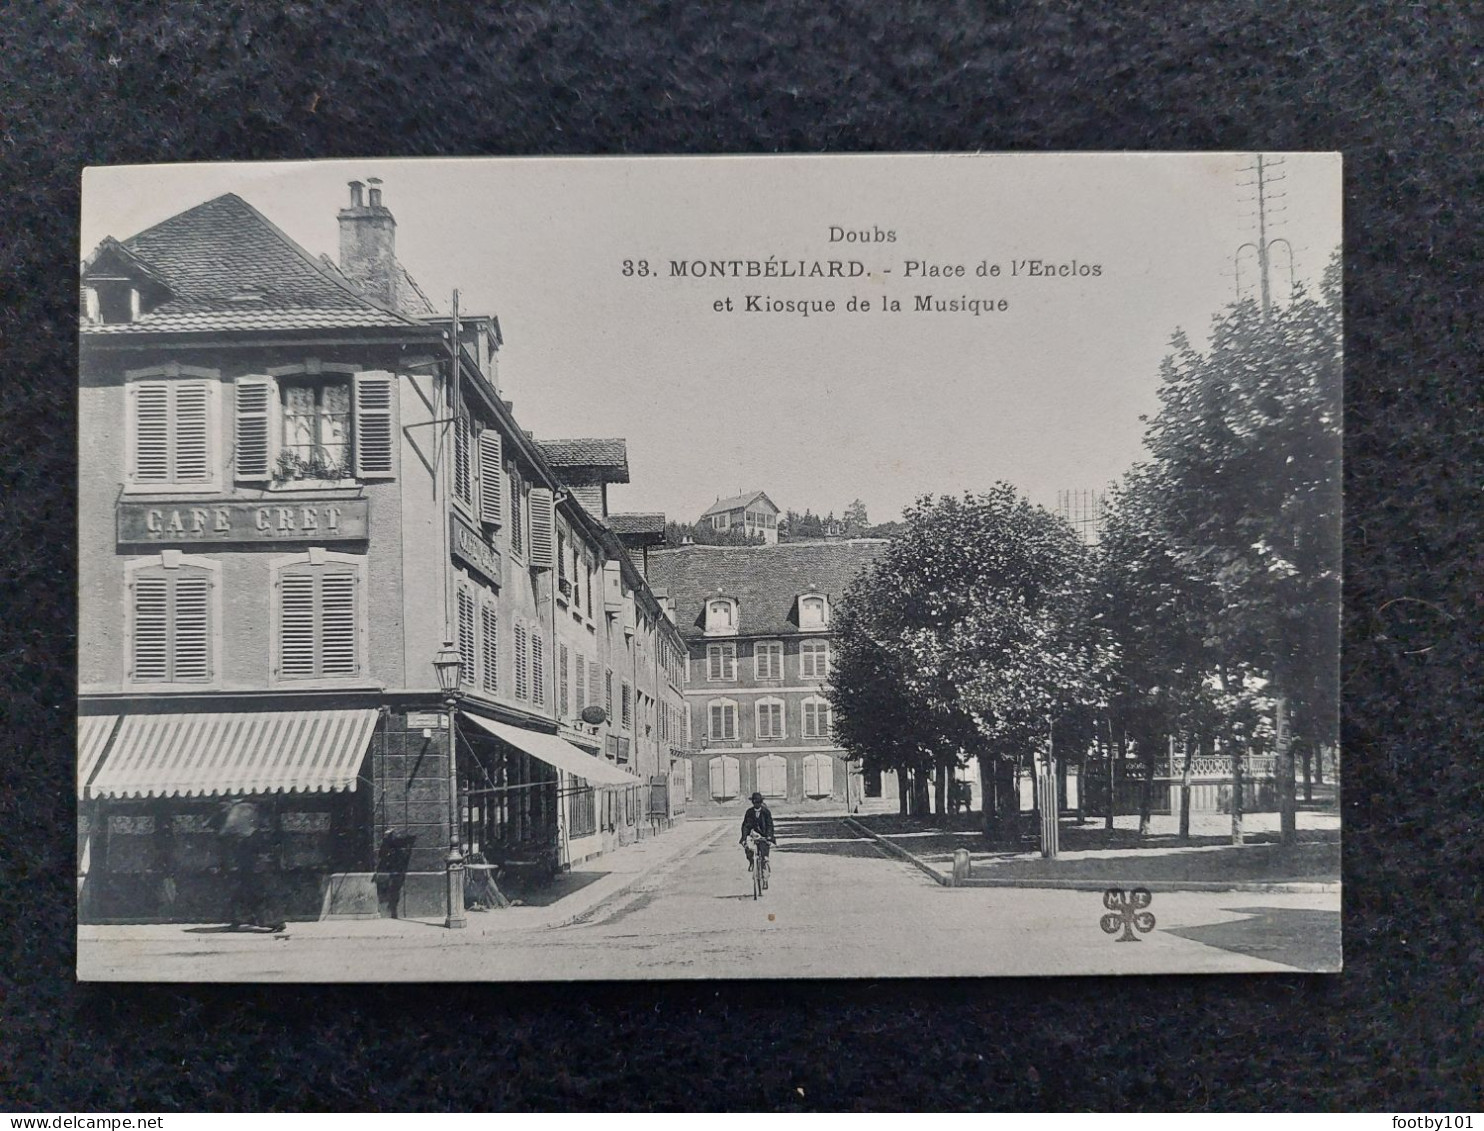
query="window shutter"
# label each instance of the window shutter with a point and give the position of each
(564, 683)
(461, 466)
(718, 778)
(192, 635)
(594, 684)
(296, 625)
(825, 773)
(338, 624)
(538, 669)
(542, 553)
(733, 777)
(521, 690)
(151, 629)
(491, 478)
(581, 682)
(811, 777)
(374, 441)
(151, 433)
(491, 632)
(254, 434)
(466, 636)
(191, 434)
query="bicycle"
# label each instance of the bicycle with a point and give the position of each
(761, 868)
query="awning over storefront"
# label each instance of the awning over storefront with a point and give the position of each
(93, 732)
(556, 752)
(202, 755)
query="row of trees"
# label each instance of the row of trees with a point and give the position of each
(1208, 612)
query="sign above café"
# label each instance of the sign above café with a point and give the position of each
(469, 548)
(341, 520)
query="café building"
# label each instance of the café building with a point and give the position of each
(318, 569)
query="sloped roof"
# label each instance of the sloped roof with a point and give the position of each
(647, 523)
(737, 503)
(611, 456)
(765, 580)
(228, 267)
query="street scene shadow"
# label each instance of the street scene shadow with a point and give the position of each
(559, 888)
(1300, 937)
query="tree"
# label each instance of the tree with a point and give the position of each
(1247, 442)
(677, 533)
(972, 627)
(855, 519)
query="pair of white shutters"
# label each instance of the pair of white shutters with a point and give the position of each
(772, 776)
(725, 778)
(819, 775)
(257, 427)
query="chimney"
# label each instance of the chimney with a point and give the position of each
(368, 244)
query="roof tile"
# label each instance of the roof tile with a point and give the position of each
(765, 580)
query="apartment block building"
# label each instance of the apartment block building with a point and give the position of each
(299, 482)
(757, 623)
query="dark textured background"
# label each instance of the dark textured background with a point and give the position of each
(1395, 86)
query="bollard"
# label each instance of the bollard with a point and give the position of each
(961, 865)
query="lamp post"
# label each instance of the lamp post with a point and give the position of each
(448, 667)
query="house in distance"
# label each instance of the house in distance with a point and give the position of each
(751, 512)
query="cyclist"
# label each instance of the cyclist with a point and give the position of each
(758, 819)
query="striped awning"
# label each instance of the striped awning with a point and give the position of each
(93, 733)
(557, 752)
(203, 755)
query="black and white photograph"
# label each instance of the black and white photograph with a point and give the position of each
(806, 567)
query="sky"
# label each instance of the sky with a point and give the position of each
(879, 405)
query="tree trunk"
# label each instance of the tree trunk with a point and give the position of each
(1111, 778)
(1191, 745)
(988, 795)
(1146, 787)
(924, 805)
(940, 790)
(903, 806)
(1082, 788)
(1308, 772)
(1283, 767)
(1236, 754)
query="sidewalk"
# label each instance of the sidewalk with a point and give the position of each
(1093, 858)
(571, 896)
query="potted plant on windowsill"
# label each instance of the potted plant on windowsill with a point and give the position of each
(317, 470)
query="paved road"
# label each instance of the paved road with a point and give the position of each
(837, 908)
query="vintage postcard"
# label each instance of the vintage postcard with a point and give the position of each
(786, 567)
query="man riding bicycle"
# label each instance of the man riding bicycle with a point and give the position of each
(758, 819)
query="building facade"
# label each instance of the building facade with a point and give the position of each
(757, 623)
(299, 483)
(752, 514)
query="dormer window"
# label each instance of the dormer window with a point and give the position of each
(721, 616)
(814, 613)
(112, 301)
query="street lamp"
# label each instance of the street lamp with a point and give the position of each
(449, 668)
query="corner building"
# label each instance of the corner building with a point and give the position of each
(298, 481)
(757, 623)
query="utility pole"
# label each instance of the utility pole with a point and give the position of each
(1266, 173)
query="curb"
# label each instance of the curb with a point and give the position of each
(944, 879)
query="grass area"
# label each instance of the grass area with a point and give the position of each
(1091, 851)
